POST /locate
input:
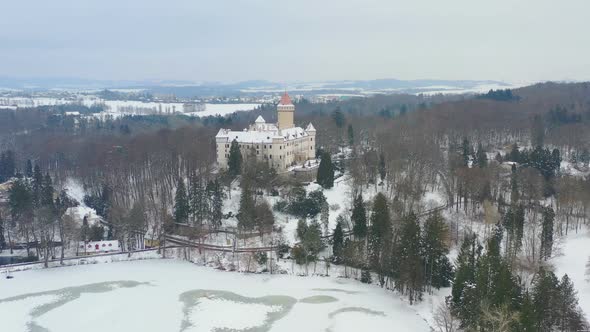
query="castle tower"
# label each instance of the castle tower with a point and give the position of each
(285, 110)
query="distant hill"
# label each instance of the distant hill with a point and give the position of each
(260, 87)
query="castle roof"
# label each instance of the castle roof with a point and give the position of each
(285, 99)
(261, 136)
(310, 127)
(260, 119)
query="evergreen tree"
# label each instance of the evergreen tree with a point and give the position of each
(465, 274)
(568, 315)
(325, 216)
(380, 233)
(246, 214)
(359, 218)
(544, 287)
(527, 314)
(2, 239)
(438, 270)
(518, 227)
(350, 135)
(338, 117)
(482, 158)
(465, 149)
(337, 242)
(198, 201)
(217, 205)
(7, 165)
(37, 186)
(47, 192)
(181, 205)
(234, 161)
(85, 230)
(411, 272)
(382, 168)
(29, 169)
(514, 154)
(20, 199)
(263, 217)
(325, 175)
(547, 233)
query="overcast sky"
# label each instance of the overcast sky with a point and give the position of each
(222, 40)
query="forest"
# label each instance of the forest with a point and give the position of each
(511, 166)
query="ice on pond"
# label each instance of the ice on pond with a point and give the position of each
(337, 290)
(318, 299)
(356, 309)
(215, 310)
(41, 303)
(172, 295)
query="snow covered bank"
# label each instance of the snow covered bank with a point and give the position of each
(575, 252)
(153, 295)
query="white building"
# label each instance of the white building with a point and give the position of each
(282, 144)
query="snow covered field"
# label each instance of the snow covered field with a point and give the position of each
(172, 295)
(575, 252)
(129, 107)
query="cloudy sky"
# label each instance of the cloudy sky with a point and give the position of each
(223, 40)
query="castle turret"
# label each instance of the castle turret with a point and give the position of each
(285, 110)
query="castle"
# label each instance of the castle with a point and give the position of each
(282, 145)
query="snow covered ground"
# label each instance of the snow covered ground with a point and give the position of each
(118, 107)
(575, 252)
(172, 295)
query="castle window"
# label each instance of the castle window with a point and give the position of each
(257, 152)
(311, 139)
(270, 156)
(311, 147)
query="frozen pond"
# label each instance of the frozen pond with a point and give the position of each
(170, 295)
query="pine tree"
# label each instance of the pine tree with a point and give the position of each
(216, 205)
(569, 317)
(380, 232)
(2, 239)
(181, 205)
(246, 214)
(438, 270)
(544, 287)
(337, 242)
(338, 118)
(359, 218)
(7, 165)
(325, 175)
(47, 192)
(547, 233)
(518, 228)
(198, 201)
(465, 273)
(29, 169)
(325, 216)
(411, 272)
(465, 150)
(350, 135)
(37, 186)
(234, 161)
(514, 154)
(263, 217)
(527, 314)
(382, 168)
(482, 158)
